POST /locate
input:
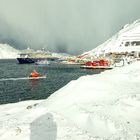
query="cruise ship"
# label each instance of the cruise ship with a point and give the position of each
(32, 56)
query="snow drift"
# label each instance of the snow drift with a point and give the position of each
(8, 52)
(106, 105)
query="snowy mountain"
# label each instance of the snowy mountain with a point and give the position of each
(127, 39)
(7, 52)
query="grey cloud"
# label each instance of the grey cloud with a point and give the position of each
(72, 26)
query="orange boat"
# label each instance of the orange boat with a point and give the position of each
(35, 75)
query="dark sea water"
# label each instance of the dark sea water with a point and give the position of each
(16, 89)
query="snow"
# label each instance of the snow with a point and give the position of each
(98, 107)
(107, 102)
(8, 52)
(129, 33)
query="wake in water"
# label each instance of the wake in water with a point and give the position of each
(13, 79)
(21, 78)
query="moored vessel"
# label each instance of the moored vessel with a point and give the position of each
(31, 56)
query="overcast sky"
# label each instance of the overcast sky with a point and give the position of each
(72, 26)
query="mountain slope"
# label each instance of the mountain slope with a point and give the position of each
(7, 52)
(129, 33)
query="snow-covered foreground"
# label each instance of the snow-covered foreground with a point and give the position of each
(8, 52)
(105, 106)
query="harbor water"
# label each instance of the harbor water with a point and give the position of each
(15, 86)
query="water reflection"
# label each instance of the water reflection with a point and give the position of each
(34, 82)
